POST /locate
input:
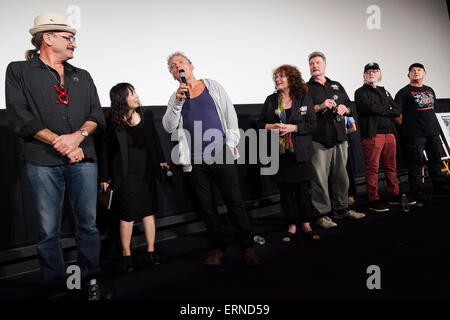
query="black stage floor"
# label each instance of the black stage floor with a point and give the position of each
(411, 250)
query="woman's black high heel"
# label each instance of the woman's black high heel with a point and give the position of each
(127, 264)
(153, 258)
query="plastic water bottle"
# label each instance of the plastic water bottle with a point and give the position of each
(94, 290)
(404, 203)
(259, 240)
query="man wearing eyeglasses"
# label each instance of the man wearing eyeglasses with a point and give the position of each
(54, 107)
(377, 110)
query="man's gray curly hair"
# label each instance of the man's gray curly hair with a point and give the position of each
(176, 53)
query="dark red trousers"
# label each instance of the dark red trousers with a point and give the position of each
(384, 147)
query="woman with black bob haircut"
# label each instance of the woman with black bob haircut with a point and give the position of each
(290, 111)
(131, 162)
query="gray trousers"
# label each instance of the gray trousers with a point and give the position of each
(329, 164)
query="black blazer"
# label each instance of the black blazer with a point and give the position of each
(303, 115)
(114, 153)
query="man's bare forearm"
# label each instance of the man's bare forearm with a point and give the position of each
(89, 126)
(45, 135)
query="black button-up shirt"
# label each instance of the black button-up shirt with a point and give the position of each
(329, 132)
(31, 103)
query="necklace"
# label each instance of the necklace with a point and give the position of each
(60, 85)
(62, 92)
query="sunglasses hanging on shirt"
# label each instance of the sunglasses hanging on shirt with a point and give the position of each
(62, 97)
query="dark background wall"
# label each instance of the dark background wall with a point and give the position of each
(19, 224)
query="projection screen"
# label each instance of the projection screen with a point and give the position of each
(240, 42)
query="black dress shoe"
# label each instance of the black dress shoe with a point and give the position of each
(153, 258)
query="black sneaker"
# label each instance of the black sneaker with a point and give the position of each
(420, 197)
(394, 200)
(378, 206)
(441, 191)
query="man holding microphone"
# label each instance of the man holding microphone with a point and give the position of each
(331, 104)
(199, 108)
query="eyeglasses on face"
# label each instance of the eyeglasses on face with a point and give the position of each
(62, 97)
(71, 39)
(279, 76)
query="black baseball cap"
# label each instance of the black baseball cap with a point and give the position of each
(371, 66)
(418, 65)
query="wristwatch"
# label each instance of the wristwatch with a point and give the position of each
(84, 133)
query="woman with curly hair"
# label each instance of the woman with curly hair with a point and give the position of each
(290, 111)
(131, 161)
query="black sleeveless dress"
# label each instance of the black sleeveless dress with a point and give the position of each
(134, 194)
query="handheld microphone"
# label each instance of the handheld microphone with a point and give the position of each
(183, 79)
(339, 117)
(278, 114)
(168, 172)
(335, 98)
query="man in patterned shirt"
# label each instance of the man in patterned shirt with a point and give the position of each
(420, 129)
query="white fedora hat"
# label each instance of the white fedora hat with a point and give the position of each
(51, 22)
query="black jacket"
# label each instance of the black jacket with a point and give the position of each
(303, 116)
(114, 153)
(375, 106)
(329, 132)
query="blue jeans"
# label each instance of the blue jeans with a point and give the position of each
(47, 189)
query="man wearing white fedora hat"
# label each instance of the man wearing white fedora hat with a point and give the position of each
(54, 107)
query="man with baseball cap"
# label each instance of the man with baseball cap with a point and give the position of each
(54, 107)
(376, 110)
(420, 129)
